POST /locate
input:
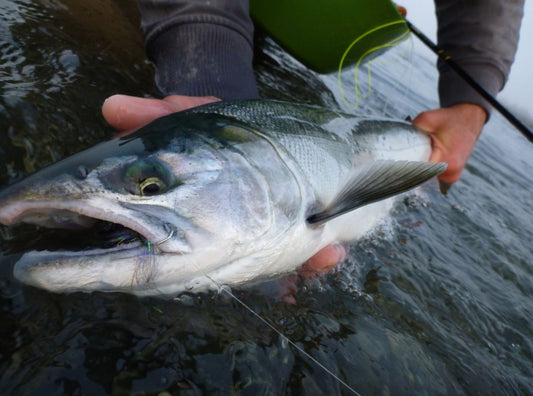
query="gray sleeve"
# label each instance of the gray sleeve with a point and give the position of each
(482, 37)
(200, 47)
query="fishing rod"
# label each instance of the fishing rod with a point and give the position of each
(468, 79)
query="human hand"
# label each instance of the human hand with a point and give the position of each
(454, 131)
(322, 262)
(127, 113)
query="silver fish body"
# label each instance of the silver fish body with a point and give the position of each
(223, 194)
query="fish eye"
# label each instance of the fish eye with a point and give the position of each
(151, 186)
(147, 177)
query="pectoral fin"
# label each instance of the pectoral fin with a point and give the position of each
(380, 180)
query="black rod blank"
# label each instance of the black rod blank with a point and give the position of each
(468, 79)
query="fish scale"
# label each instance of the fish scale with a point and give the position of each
(324, 153)
(230, 193)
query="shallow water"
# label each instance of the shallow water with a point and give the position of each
(438, 301)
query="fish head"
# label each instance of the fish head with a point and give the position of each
(175, 201)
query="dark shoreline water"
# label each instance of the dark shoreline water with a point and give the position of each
(438, 301)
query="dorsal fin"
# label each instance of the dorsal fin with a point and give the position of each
(380, 180)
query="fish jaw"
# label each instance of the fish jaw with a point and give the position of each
(64, 272)
(84, 213)
(127, 267)
(161, 261)
(135, 268)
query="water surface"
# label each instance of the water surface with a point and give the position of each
(437, 301)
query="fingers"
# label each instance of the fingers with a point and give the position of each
(323, 261)
(453, 131)
(449, 176)
(436, 155)
(428, 121)
(452, 174)
(130, 112)
(126, 113)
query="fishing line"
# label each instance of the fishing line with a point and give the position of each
(143, 271)
(271, 326)
(391, 43)
(402, 55)
(283, 336)
(406, 74)
(144, 268)
(369, 73)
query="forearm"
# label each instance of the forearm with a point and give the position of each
(482, 37)
(200, 47)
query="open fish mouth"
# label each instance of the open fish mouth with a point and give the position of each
(73, 251)
(81, 252)
(89, 231)
(100, 236)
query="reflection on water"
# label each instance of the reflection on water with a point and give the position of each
(437, 302)
(59, 61)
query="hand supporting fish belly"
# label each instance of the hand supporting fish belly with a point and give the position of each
(223, 194)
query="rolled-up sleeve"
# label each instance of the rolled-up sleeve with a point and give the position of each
(482, 37)
(200, 47)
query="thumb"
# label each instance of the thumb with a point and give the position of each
(128, 112)
(430, 121)
(446, 178)
(437, 155)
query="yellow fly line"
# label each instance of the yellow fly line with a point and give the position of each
(391, 43)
